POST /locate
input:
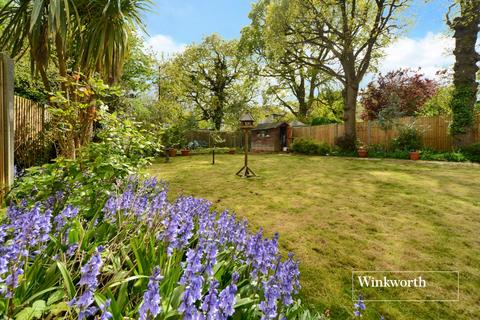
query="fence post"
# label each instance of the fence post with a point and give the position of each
(6, 124)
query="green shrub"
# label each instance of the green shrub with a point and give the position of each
(472, 152)
(307, 146)
(409, 139)
(346, 143)
(454, 156)
(121, 150)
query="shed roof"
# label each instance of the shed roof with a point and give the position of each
(267, 126)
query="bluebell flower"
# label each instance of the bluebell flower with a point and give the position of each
(227, 297)
(150, 307)
(210, 257)
(105, 314)
(89, 282)
(359, 306)
(72, 248)
(210, 304)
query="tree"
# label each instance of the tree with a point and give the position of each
(140, 71)
(214, 78)
(288, 75)
(410, 88)
(80, 38)
(466, 27)
(352, 31)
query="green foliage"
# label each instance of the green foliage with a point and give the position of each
(409, 139)
(472, 152)
(379, 152)
(462, 109)
(346, 143)
(453, 156)
(439, 104)
(292, 82)
(214, 77)
(30, 86)
(388, 116)
(310, 147)
(174, 137)
(73, 112)
(122, 149)
(140, 70)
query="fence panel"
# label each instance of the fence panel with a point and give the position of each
(231, 139)
(435, 132)
(30, 122)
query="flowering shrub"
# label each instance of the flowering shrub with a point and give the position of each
(141, 256)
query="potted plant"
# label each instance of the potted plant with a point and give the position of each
(172, 152)
(409, 139)
(362, 152)
(185, 151)
(415, 155)
(173, 138)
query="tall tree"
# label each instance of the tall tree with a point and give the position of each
(294, 84)
(352, 31)
(214, 78)
(466, 27)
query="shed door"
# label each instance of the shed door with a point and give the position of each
(283, 137)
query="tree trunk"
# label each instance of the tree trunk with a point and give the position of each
(350, 95)
(466, 28)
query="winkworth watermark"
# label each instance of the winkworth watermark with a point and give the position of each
(406, 285)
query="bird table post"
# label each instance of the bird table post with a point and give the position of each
(246, 123)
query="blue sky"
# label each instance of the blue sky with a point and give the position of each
(175, 23)
(190, 20)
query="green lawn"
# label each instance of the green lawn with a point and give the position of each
(339, 215)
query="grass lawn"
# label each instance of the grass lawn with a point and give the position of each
(339, 215)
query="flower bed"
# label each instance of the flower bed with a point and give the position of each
(141, 256)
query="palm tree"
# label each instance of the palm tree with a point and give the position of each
(77, 36)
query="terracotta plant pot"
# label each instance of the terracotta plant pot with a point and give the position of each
(362, 153)
(231, 151)
(414, 155)
(185, 152)
(172, 152)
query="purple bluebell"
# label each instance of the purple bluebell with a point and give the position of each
(359, 306)
(90, 271)
(227, 297)
(210, 302)
(105, 314)
(150, 307)
(210, 257)
(72, 248)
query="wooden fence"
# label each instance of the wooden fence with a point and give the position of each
(231, 139)
(434, 130)
(30, 120)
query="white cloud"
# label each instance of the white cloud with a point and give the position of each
(430, 53)
(165, 45)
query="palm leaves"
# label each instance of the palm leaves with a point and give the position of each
(89, 36)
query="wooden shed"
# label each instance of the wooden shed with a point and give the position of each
(271, 137)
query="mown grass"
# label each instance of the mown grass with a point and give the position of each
(339, 215)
